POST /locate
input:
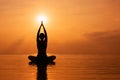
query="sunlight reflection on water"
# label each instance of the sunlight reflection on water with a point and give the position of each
(67, 67)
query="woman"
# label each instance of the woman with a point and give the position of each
(42, 47)
(42, 42)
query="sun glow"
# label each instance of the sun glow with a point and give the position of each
(41, 18)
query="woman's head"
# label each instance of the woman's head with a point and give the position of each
(41, 36)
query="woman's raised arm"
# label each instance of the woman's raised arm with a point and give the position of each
(45, 34)
(38, 33)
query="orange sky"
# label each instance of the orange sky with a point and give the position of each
(73, 26)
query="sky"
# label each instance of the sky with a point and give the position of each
(73, 26)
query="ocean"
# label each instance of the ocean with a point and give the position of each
(65, 67)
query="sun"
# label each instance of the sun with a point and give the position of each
(41, 18)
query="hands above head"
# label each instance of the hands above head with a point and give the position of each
(41, 25)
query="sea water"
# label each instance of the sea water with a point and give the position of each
(66, 67)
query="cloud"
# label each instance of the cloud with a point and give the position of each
(107, 37)
(104, 42)
(109, 40)
(14, 48)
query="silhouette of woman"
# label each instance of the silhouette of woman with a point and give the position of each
(42, 47)
(42, 42)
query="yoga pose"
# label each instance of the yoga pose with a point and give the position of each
(41, 41)
(42, 47)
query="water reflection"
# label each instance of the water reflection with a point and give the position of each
(41, 70)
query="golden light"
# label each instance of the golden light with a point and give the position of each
(41, 18)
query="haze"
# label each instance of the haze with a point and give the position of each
(73, 26)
